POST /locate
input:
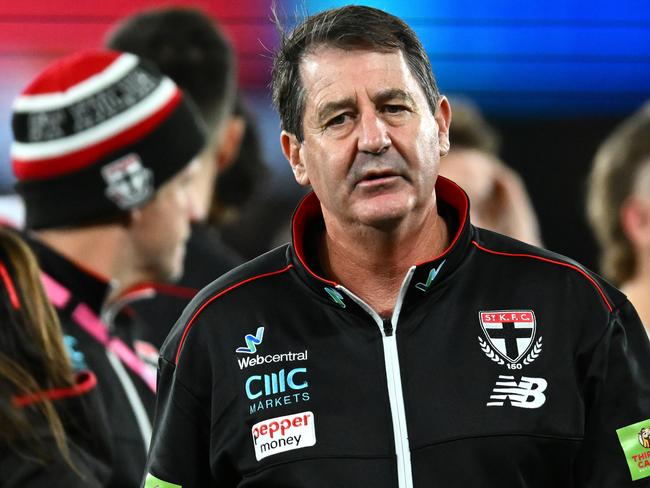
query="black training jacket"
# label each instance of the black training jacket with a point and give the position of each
(37, 462)
(78, 297)
(503, 365)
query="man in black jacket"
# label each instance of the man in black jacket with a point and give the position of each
(104, 176)
(393, 344)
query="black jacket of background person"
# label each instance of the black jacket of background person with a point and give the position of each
(328, 394)
(206, 258)
(126, 415)
(82, 414)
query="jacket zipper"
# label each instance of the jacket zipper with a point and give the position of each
(388, 329)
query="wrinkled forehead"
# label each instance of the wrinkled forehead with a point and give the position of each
(329, 72)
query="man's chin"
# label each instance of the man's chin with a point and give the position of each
(383, 211)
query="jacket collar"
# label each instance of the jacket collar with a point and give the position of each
(453, 205)
(84, 285)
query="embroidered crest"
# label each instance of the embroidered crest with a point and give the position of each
(129, 183)
(510, 337)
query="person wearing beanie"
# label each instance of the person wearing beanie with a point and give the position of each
(104, 151)
(189, 46)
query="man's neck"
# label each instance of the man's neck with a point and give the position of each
(95, 249)
(372, 263)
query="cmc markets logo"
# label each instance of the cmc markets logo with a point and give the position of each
(277, 389)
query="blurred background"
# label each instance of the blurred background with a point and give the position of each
(552, 77)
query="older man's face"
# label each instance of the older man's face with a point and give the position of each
(371, 144)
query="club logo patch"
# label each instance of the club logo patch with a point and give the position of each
(510, 337)
(528, 393)
(129, 183)
(282, 434)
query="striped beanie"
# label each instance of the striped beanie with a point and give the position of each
(96, 134)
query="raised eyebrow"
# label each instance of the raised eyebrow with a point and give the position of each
(393, 94)
(331, 107)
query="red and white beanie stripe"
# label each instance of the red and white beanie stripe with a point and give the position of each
(64, 162)
(95, 135)
(44, 94)
(71, 152)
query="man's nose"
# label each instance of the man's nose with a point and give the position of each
(374, 137)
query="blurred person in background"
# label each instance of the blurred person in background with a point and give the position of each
(240, 181)
(497, 194)
(52, 423)
(618, 207)
(106, 182)
(189, 47)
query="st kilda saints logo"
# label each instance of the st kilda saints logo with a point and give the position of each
(510, 337)
(128, 182)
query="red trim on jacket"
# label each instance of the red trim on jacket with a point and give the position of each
(552, 261)
(9, 284)
(308, 208)
(452, 194)
(163, 288)
(84, 382)
(221, 293)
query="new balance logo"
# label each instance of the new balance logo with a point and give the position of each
(528, 393)
(252, 341)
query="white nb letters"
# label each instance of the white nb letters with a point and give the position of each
(528, 393)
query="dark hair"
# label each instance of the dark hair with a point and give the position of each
(238, 182)
(33, 357)
(351, 27)
(190, 48)
(617, 166)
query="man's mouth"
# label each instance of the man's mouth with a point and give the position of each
(378, 178)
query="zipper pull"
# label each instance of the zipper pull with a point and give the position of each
(388, 327)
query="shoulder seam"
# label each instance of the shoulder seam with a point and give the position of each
(552, 261)
(219, 294)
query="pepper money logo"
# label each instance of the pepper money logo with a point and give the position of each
(282, 434)
(252, 341)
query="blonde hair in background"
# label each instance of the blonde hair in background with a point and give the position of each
(32, 354)
(618, 164)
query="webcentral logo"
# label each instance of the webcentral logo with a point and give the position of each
(252, 341)
(247, 361)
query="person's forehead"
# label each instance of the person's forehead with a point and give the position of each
(330, 71)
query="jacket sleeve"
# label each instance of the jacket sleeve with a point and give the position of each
(617, 406)
(179, 450)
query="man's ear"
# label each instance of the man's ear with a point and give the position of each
(443, 119)
(635, 220)
(228, 147)
(291, 148)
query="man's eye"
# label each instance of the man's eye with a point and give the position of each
(338, 120)
(394, 109)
